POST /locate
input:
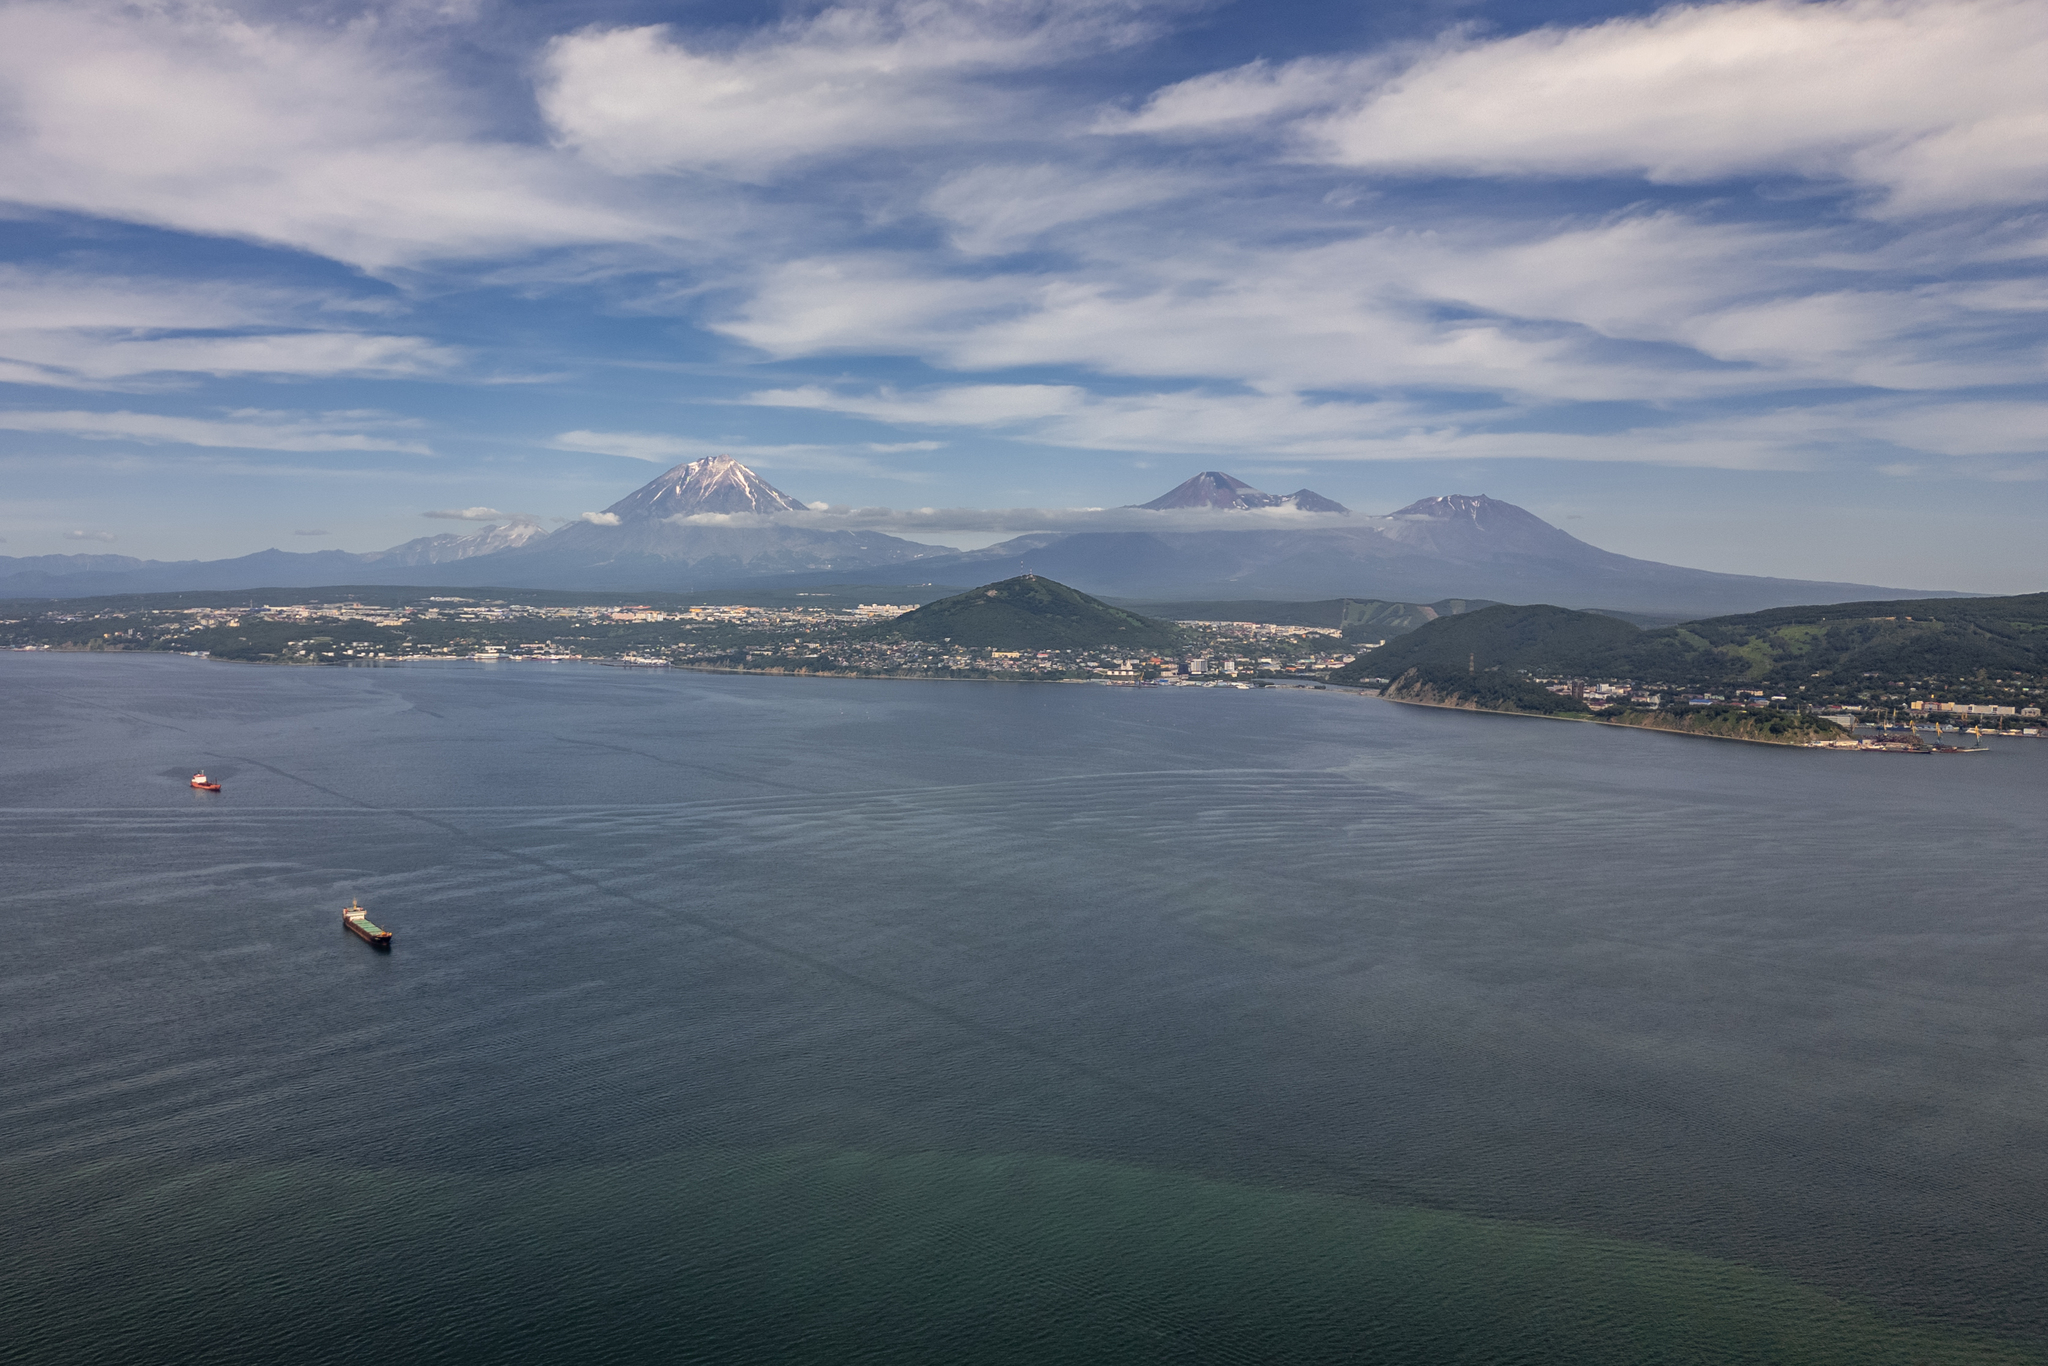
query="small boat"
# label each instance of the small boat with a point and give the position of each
(204, 784)
(357, 921)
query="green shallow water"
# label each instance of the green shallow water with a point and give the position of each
(816, 1255)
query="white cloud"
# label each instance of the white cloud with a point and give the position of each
(1934, 103)
(42, 300)
(1268, 305)
(965, 405)
(893, 74)
(244, 431)
(88, 535)
(663, 449)
(1068, 415)
(1192, 422)
(869, 304)
(74, 329)
(1342, 317)
(343, 140)
(476, 514)
(996, 209)
(76, 361)
(1960, 428)
(1017, 521)
(1224, 101)
(1263, 426)
(1525, 311)
(599, 518)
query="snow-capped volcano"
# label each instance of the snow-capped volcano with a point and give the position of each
(659, 536)
(1475, 527)
(717, 483)
(1215, 489)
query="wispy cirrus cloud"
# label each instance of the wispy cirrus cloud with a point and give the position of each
(1991, 437)
(1017, 521)
(891, 75)
(68, 328)
(345, 139)
(1933, 105)
(665, 449)
(74, 361)
(996, 209)
(242, 430)
(1753, 235)
(1726, 309)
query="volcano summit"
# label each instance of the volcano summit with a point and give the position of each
(719, 484)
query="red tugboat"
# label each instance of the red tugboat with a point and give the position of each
(357, 921)
(204, 784)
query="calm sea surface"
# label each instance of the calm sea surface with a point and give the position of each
(811, 1020)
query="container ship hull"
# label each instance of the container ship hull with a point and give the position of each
(358, 924)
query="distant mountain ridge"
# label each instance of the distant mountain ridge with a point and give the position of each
(448, 547)
(91, 575)
(715, 524)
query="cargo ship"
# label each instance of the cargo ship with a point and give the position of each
(204, 784)
(357, 920)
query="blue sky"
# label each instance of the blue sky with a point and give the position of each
(1751, 286)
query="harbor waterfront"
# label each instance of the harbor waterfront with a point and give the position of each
(735, 1017)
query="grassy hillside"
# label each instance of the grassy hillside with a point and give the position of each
(1892, 641)
(1029, 613)
(1990, 646)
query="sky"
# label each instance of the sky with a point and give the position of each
(1754, 286)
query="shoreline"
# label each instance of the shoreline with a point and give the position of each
(1299, 685)
(1665, 730)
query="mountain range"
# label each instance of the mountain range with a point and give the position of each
(714, 523)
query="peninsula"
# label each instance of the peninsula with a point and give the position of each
(1792, 676)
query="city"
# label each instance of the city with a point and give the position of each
(736, 638)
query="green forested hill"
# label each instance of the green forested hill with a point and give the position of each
(1843, 649)
(1876, 654)
(1892, 641)
(1538, 640)
(1029, 613)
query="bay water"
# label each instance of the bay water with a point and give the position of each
(749, 1018)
